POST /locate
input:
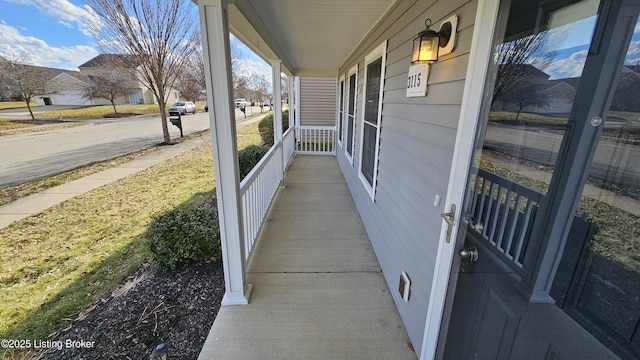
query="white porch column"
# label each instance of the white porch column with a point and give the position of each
(292, 92)
(297, 118)
(215, 45)
(276, 69)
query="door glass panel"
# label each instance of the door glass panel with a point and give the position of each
(603, 291)
(538, 67)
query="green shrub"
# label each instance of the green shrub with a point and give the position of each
(186, 234)
(265, 127)
(249, 157)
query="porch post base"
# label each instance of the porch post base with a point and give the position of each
(237, 298)
(541, 297)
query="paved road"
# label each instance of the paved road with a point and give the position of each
(26, 157)
(618, 162)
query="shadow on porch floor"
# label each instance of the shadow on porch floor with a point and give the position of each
(318, 292)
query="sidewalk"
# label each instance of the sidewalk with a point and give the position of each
(33, 204)
(36, 203)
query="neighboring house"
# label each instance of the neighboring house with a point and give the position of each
(625, 98)
(124, 68)
(60, 93)
(497, 269)
(559, 95)
(69, 90)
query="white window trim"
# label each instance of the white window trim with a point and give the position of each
(352, 71)
(341, 113)
(379, 52)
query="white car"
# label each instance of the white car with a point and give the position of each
(241, 103)
(182, 108)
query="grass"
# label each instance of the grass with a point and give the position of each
(528, 119)
(15, 104)
(95, 112)
(10, 126)
(55, 264)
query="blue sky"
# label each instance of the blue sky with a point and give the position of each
(53, 33)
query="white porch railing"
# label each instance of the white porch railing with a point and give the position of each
(289, 145)
(257, 190)
(259, 187)
(316, 140)
(502, 213)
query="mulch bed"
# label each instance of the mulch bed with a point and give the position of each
(120, 115)
(176, 308)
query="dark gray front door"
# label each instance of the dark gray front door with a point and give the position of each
(525, 267)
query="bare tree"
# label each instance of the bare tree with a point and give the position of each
(109, 89)
(30, 80)
(191, 81)
(516, 58)
(523, 94)
(161, 33)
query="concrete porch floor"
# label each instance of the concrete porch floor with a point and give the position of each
(318, 291)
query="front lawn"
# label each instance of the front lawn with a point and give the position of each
(55, 264)
(15, 104)
(95, 112)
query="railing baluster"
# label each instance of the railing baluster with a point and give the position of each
(512, 228)
(505, 226)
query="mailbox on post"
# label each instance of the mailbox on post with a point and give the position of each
(176, 120)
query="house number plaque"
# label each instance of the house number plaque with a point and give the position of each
(417, 80)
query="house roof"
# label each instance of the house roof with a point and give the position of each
(117, 60)
(560, 89)
(527, 71)
(312, 38)
(73, 76)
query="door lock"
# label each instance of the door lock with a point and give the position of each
(474, 224)
(469, 253)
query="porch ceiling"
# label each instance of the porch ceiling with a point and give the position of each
(312, 38)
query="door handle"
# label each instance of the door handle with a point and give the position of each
(450, 219)
(469, 253)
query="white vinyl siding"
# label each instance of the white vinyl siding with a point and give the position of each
(318, 101)
(371, 115)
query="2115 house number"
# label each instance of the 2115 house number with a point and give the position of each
(417, 80)
(414, 81)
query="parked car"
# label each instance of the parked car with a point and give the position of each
(206, 107)
(241, 103)
(266, 103)
(182, 108)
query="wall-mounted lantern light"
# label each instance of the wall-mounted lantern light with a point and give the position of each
(427, 47)
(427, 44)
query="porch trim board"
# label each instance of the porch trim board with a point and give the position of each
(480, 55)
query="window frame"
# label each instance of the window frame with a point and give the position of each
(380, 52)
(341, 113)
(349, 152)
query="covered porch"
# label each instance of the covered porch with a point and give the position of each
(317, 288)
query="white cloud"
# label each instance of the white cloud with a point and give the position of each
(247, 67)
(65, 11)
(568, 67)
(38, 52)
(66, 23)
